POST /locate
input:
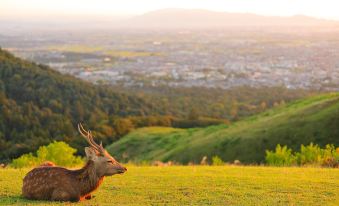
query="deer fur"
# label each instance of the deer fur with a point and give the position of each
(47, 164)
(49, 182)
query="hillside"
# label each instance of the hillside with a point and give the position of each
(314, 119)
(199, 18)
(39, 105)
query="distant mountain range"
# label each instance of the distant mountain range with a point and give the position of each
(197, 18)
(163, 19)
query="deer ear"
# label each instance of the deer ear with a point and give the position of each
(91, 154)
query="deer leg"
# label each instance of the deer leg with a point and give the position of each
(59, 195)
(88, 197)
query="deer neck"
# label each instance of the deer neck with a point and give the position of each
(88, 178)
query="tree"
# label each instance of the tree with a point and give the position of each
(194, 114)
(234, 109)
(263, 105)
(59, 153)
(123, 126)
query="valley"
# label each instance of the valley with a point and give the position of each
(295, 58)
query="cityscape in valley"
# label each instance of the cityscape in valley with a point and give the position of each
(302, 58)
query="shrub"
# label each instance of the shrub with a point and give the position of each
(58, 152)
(217, 161)
(310, 155)
(26, 160)
(281, 157)
(330, 156)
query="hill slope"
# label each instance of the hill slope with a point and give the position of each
(39, 105)
(315, 119)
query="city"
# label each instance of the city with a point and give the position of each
(293, 58)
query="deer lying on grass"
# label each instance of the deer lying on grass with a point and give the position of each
(60, 184)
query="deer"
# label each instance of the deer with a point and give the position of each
(53, 183)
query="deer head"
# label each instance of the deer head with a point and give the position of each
(104, 163)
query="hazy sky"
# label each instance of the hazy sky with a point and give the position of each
(36, 8)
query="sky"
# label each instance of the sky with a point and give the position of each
(327, 9)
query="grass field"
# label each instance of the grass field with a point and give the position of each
(200, 185)
(103, 50)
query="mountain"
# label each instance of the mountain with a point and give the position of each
(159, 19)
(315, 119)
(197, 18)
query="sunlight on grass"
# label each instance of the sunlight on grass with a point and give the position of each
(157, 130)
(200, 185)
(101, 50)
(76, 48)
(115, 53)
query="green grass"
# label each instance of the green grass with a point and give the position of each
(100, 49)
(315, 119)
(199, 185)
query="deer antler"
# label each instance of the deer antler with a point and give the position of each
(89, 137)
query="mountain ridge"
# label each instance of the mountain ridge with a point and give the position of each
(170, 18)
(200, 18)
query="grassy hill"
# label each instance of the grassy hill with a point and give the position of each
(315, 119)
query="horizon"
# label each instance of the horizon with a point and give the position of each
(77, 9)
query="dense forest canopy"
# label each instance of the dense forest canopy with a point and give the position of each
(232, 104)
(39, 105)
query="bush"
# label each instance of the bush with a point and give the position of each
(217, 161)
(58, 152)
(281, 157)
(26, 160)
(330, 156)
(308, 155)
